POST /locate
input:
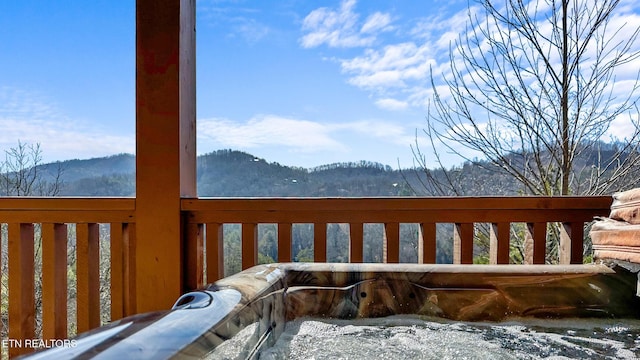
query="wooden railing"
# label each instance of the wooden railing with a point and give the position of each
(206, 217)
(56, 225)
(84, 224)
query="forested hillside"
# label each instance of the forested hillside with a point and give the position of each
(228, 173)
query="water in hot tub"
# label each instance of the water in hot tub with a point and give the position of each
(415, 338)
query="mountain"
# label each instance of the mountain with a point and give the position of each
(74, 170)
(106, 176)
(230, 173)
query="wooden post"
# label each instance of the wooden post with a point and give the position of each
(54, 281)
(21, 296)
(356, 240)
(117, 270)
(499, 235)
(535, 243)
(427, 243)
(165, 146)
(284, 242)
(463, 243)
(249, 245)
(88, 276)
(215, 251)
(128, 269)
(320, 242)
(194, 256)
(571, 242)
(391, 243)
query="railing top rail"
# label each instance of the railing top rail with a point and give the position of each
(67, 203)
(394, 209)
(399, 203)
(67, 210)
(374, 209)
(273, 203)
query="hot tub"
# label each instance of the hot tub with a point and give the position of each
(240, 316)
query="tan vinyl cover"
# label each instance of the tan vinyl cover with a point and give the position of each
(626, 206)
(614, 239)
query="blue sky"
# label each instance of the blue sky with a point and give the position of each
(303, 83)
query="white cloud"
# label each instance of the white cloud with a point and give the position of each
(63, 140)
(380, 131)
(339, 28)
(19, 103)
(29, 117)
(396, 71)
(379, 79)
(233, 20)
(622, 127)
(377, 22)
(267, 130)
(250, 30)
(294, 134)
(400, 69)
(397, 56)
(391, 67)
(392, 104)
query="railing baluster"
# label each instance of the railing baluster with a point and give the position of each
(535, 243)
(391, 243)
(571, 239)
(116, 248)
(427, 243)
(54, 281)
(249, 245)
(88, 276)
(284, 242)
(215, 252)
(129, 242)
(194, 257)
(356, 243)
(21, 289)
(463, 243)
(320, 242)
(499, 235)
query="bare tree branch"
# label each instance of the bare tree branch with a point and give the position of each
(22, 173)
(532, 89)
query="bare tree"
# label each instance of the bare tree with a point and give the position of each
(532, 87)
(22, 173)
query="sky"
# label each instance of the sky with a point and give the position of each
(302, 83)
